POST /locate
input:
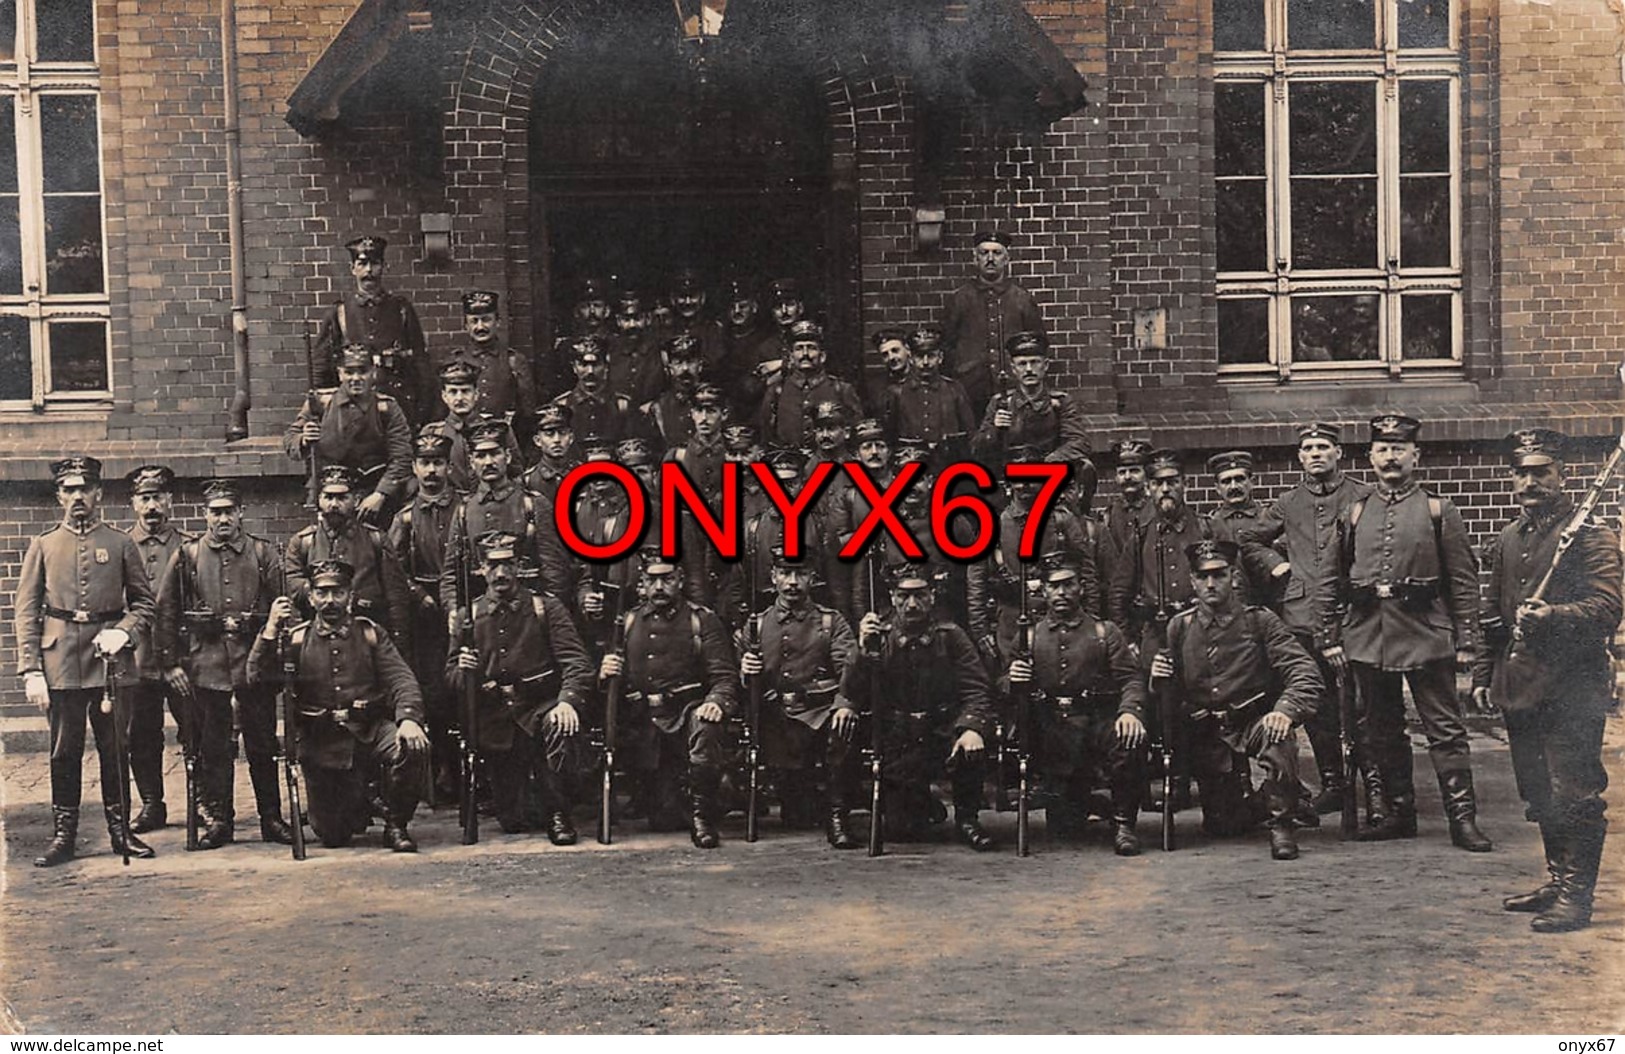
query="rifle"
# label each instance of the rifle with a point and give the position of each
(1167, 708)
(189, 733)
(313, 407)
(1024, 722)
(877, 844)
(753, 716)
(468, 805)
(290, 732)
(1345, 742)
(121, 751)
(612, 704)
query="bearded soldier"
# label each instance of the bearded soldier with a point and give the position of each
(358, 427)
(378, 585)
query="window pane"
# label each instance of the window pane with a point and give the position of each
(1244, 332)
(11, 247)
(8, 30)
(1326, 24)
(67, 30)
(1334, 127)
(1238, 25)
(1424, 23)
(1238, 122)
(1424, 126)
(78, 356)
(16, 360)
(73, 244)
(1427, 327)
(8, 145)
(1334, 223)
(1334, 329)
(70, 147)
(1242, 242)
(1424, 221)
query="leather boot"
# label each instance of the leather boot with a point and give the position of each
(1282, 845)
(702, 832)
(61, 847)
(397, 838)
(115, 835)
(1461, 808)
(268, 801)
(840, 835)
(970, 831)
(1540, 899)
(1330, 798)
(1396, 819)
(153, 815)
(1572, 908)
(1376, 797)
(1124, 841)
(218, 828)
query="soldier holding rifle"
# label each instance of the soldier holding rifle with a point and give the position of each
(357, 426)
(1029, 420)
(385, 324)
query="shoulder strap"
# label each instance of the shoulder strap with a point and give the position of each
(1100, 631)
(1357, 509)
(344, 319)
(828, 622)
(539, 606)
(369, 632)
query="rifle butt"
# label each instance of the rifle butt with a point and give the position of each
(1023, 844)
(1167, 801)
(877, 845)
(751, 762)
(606, 799)
(191, 803)
(296, 812)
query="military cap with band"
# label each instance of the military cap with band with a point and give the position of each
(654, 564)
(459, 371)
(911, 450)
(339, 479)
(151, 479)
(869, 430)
(924, 338)
(586, 350)
(687, 280)
(594, 288)
(829, 412)
(498, 545)
(356, 356)
(629, 301)
(739, 439)
(1059, 565)
(488, 433)
(707, 395)
(1132, 451)
(480, 302)
(1164, 463)
(1026, 343)
(806, 329)
(786, 462)
(784, 289)
(77, 471)
(681, 348)
(1530, 447)
(737, 289)
(781, 559)
(218, 493)
(999, 237)
(908, 577)
(1223, 462)
(432, 443)
(369, 248)
(1211, 554)
(333, 573)
(1320, 430)
(889, 335)
(554, 415)
(597, 448)
(635, 452)
(1394, 428)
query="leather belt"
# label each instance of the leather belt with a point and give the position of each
(82, 616)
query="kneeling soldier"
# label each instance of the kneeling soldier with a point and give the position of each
(1246, 683)
(358, 704)
(680, 684)
(1089, 726)
(534, 677)
(802, 650)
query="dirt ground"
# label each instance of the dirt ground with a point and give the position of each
(786, 935)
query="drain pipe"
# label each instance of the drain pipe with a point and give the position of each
(241, 400)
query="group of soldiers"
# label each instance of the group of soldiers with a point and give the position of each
(434, 573)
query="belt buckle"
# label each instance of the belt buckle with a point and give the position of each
(81, 615)
(231, 623)
(1385, 590)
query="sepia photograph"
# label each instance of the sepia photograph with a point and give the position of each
(811, 518)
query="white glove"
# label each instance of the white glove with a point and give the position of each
(36, 691)
(111, 641)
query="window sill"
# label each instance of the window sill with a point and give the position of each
(1266, 394)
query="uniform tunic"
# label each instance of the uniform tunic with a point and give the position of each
(156, 550)
(380, 588)
(980, 317)
(1048, 427)
(785, 416)
(512, 509)
(1305, 520)
(928, 407)
(75, 583)
(388, 325)
(212, 600)
(374, 437)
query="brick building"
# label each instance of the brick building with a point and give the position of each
(1256, 211)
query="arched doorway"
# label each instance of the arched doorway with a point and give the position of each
(640, 165)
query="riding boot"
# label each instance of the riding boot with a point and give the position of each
(61, 847)
(1572, 908)
(1461, 808)
(1541, 898)
(1376, 797)
(115, 835)
(1330, 798)
(268, 801)
(703, 798)
(840, 833)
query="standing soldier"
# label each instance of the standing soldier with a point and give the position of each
(1029, 421)
(532, 678)
(680, 684)
(82, 594)
(506, 387)
(702, 457)
(687, 307)
(880, 393)
(830, 436)
(215, 595)
(595, 407)
(418, 538)
(771, 356)
(1130, 506)
(927, 407)
(786, 411)
(459, 391)
(633, 355)
(669, 417)
(1544, 661)
(601, 514)
(744, 332)
(1237, 513)
(1245, 683)
(358, 427)
(982, 316)
(152, 498)
(1410, 583)
(385, 324)
(1304, 520)
(377, 583)
(591, 315)
(935, 704)
(805, 649)
(1089, 717)
(358, 705)
(554, 437)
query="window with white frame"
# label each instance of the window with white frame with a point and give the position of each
(1338, 199)
(53, 280)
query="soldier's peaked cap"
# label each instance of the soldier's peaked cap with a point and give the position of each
(459, 371)
(554, 415)
(151, 479)
(339, 479)
(432, 443)
(498, 545)
(356, 356)
(1223, 462)
(78, 471)
(488, 432)
(480, 302)
(218, 492)
(1320, 430)
(1394, 428)
(370, 247)
(1211, 554)
(332, 573)
(1164, 463)
(1528, 447)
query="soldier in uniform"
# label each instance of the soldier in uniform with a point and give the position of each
(601, 514)
(804, 649)
(680, 683)
(82, 593)
(418, 537)
(702, 457)
(935, 708)
(591, 316)
(152, 497)
(1304, 521)
(554, 438)
(532, 679)
(358, 427)
(1089, 712)
(1232, 472)
(926, 406)
(746, 586)
(385, 324)
(215, 595)
(787, 406)
(633, 355)
(377, 583)
(745, 329)
(1245, 683)
(459, 391)
(891, 345)
(359, 708)
(1544, 661)
(499, 503)
(1410, 582)
(669, 417)
(595, 407)
(981, 317)
(1130, 505)
(830, 435)
(505, 384)
(1030, 421)
(770, 357)
(687, 319)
